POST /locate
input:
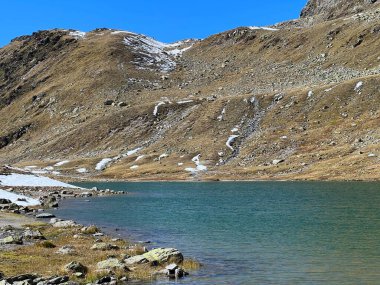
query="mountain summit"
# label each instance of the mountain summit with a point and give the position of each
(331, 9)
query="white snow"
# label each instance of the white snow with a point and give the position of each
(328, 89)
(62, 163)
(152, 53)
(358, 86)
(200, 167)
(14, 198)
(140, 157)
(180, 163)
(155, 111)
(234, 130)
(26, 180)
(185, 102)
(49, 168)
(262, 28)
(103, 164)
(310, 94)
(163, 156)
(82, 170)
(178, 51)
(134, 167)
(133, 151)
(77, 34)
(220, 117)
(230, 140)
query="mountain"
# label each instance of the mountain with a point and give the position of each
(332, 9)
(298, 100)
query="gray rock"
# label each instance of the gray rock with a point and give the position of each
(30, 234)
(111, 263)
(57, 280)
(108, 102)
(163, 255)
(75, 267)
(11, 240)
(5, 201)
(21, 277)
(65, 224)
(45, 216)
(66, 249)
(138, 259)
(104, 246)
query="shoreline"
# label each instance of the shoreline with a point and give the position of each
(114, 260)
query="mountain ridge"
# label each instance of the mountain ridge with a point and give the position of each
(299, 100)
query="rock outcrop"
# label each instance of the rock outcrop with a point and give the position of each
(330, 9)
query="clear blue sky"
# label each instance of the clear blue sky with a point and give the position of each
(167, 21)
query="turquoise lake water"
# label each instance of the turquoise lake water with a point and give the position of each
(250, 232)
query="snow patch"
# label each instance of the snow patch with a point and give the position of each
(163, 156)
(184, 102)
(15, 198)
(78, 35)
(359, 86)
(26, 180)
(134, 167)
(262, 28)
(155, 111)
(133, 151)
(140, 157)
(103, 164)
(62, 163)
(151, 53)
(82, 170)
(199, 166)
(230, 140)
(221, 116)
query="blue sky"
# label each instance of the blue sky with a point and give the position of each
(167, 21)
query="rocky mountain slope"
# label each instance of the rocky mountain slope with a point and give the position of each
(299, 100)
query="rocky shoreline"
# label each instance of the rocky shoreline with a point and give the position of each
(42, 249)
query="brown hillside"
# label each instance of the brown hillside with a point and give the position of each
(302, 101)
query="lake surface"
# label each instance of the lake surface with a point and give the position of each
(250, 232)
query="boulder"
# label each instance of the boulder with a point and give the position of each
(138, 259)
(30, 234)
(45, 216)
(104, 246)
(11, 240)
(65, 224)
(5, 201)
(163, 255)
(57, 280)
(111, 263)
(66, 249)
(20, 278)
(75, 267)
